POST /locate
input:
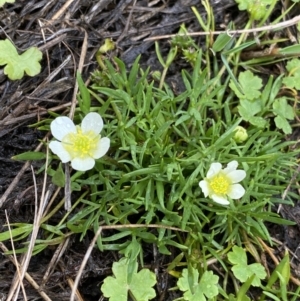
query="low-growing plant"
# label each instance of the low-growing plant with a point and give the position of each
(199, 170)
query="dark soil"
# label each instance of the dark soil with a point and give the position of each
(59, 32)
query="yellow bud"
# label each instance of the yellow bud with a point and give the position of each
(108, 45)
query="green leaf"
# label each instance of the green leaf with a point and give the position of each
(2, 2)
(283, 269)
(233, 298)
(241, 270)
(256, 8)
(208, 284)
(250, 85)
(140, 287)
(237, 256)
(58, 177)
(220, 43)
(195, 290)
(16, 64)
(171, 55)
(293, 80)
(52, 229)
(283, 111)
(290, 50)
(84, 99)
(245, 114)
(247, 109)
(22, 231)
(28, 156)
(158, 54)
(258, 122)
(251, 107)
(283, 124)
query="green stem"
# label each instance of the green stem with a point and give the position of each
(117, 111)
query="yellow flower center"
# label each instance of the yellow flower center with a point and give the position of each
(220, 184)
(80, 145)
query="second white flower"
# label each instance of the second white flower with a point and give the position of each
(220, 184)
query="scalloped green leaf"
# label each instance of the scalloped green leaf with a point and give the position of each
(242, 270)
(293, 79)
(256, 8)
(250, 85)
(138, 284)
(16, 64)
(195, 290)
(283, 111)
(2, 2)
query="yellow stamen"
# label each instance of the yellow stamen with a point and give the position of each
(81, 144)
(220, 184)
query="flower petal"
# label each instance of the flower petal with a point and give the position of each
(61, 126)
(102, 147)
(214, 169)
(204, 185)
(236, 175)
(58, 149)
(236, 191)
(92, 122)
(231, 166)
(220, 199)
(83, 164)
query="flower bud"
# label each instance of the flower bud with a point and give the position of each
(156, 75)
(240, 135)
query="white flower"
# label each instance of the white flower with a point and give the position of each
(220, 184)
(79, 144)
